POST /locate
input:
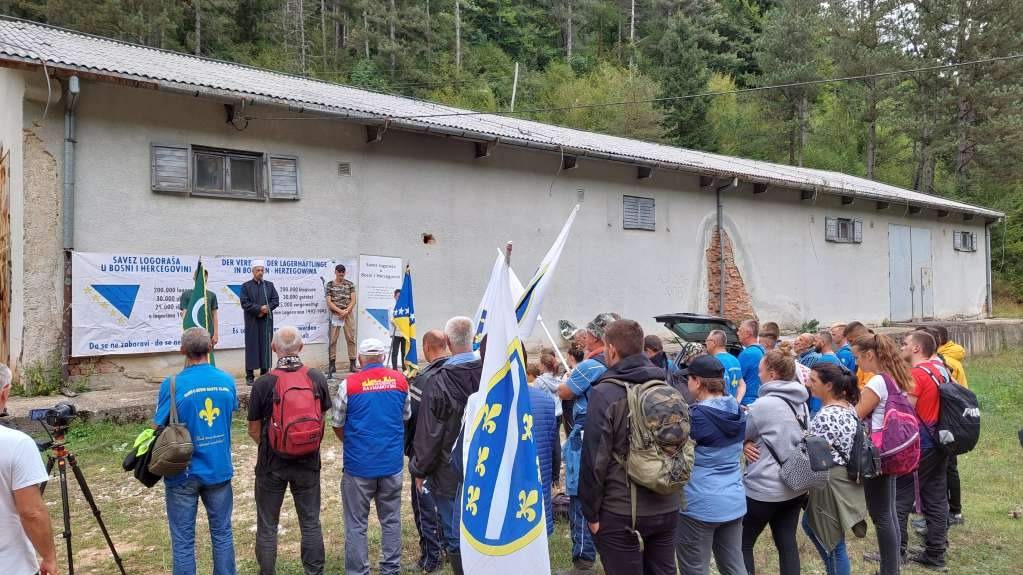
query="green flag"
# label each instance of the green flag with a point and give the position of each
(197, 310)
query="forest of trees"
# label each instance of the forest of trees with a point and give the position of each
(955, 132)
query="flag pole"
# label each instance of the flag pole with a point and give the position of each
(557, 350)
(507, 253)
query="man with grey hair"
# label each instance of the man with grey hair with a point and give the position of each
(438, 427)
(304, 395)
(369, 419)
(24, 518)
(205, 398)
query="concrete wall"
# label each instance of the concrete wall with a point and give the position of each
(12, 89)
(408, 185)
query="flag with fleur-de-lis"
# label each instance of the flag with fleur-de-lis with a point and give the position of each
(503, 528)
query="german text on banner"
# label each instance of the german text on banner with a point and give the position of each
(503, 526)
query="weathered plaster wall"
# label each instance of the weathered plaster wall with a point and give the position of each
(12, 89)
(408, 184)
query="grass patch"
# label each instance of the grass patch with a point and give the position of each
(989, 543)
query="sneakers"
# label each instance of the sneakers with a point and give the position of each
(956, 519)
(928, 562)
(875, 557)
(579, 567)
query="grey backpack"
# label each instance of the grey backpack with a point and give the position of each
(172, 450)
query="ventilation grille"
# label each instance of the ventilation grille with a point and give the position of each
(344, 169)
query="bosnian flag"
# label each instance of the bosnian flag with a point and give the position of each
(503, 526)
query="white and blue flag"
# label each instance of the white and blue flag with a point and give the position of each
(503, 526)
(527, 299)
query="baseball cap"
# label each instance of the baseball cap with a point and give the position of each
(705, 366)
(371, 346)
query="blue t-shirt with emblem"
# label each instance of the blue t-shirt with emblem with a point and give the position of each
(205, 397)
(733, 371)
(845, 355)
(749, 360)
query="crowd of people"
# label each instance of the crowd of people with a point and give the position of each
(748, 415)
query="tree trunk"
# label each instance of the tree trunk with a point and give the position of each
(568, 32)
(804, 126)
(301, 33)
(632, 32)
(365, 29)
(198, 27)
(429, 32)
(871, 130)
(323, 33)
(394, 47)
(458, 36)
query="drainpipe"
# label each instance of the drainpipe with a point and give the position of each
(68, 220)
(987, 253)
(721, 245)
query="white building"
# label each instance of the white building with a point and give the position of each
(100, 142)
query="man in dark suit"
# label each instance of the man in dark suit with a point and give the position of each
(259, 300)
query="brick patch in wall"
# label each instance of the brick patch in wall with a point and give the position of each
(738, 304)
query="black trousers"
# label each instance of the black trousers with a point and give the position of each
(880, 495)
(424, 513)
(305, 491)
(932, 477)
(955, 492)
(619, 547)
(783, 517)
(397, 352)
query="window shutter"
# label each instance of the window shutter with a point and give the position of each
(831, 229)
(638, 213)
(284, 178)
(973, 242)
(857, 231)
(169, 168)
(957, 241)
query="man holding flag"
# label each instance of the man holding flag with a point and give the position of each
(198, 310)
(503, 523)
(403, 319)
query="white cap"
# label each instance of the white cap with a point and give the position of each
(371, 346)
(258, 264)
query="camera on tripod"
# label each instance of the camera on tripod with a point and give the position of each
(58, 417)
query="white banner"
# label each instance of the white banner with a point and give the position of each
(128, 303)
(379, 276)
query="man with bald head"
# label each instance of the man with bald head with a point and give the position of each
(424, 509)
(275, 472)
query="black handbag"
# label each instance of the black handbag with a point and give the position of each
(809, 464)
(864, 458)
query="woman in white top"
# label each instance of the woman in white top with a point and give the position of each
(879, 354)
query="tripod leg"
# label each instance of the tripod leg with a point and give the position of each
(95, 510)
(50, 461)
(62, 468)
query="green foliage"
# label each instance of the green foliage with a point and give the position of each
(809, 326)
(40, 378)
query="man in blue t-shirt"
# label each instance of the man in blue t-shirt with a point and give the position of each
(749, 359)
(577, 387)
(734, 383)
(205, 398)
(842, 348)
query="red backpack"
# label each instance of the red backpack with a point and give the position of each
(296, 423)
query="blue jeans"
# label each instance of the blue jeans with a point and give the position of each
(449, 511)
(182, 505)
(424, 512)
(836, 562)
(582, 540)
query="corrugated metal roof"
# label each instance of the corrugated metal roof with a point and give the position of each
(59, 48)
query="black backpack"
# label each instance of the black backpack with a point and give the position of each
(958, 429)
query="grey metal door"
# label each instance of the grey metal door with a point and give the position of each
(923, 295)
(900, 272)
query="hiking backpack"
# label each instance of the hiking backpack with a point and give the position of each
(658, 430)
(958, 429)
(898, 440)
(296, 421)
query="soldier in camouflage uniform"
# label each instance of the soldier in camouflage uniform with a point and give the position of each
(341, 303)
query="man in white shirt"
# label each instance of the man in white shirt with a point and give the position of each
(24, 520)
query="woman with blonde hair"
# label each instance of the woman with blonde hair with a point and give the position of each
(879, 355)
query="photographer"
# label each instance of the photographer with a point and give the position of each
(24, 520)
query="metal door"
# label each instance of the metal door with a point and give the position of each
(923, 296)
(900, 272)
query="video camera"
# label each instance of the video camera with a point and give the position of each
(58, 416)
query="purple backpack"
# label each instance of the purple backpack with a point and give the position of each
(899, 439)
